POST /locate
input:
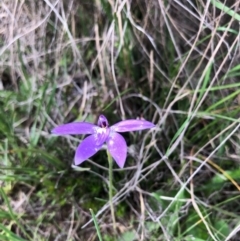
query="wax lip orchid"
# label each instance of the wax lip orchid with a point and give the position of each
(101, 133)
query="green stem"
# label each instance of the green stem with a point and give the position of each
(110, 189)
(96, 225)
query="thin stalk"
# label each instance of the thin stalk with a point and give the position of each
(110, 189)
(96, 225)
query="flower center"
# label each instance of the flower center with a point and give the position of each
(101, 130)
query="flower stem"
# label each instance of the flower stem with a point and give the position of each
(110, 189)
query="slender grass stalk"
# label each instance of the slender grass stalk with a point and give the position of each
(96, 225)
(110, 189)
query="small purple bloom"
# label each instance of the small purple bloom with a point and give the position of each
(101, 133)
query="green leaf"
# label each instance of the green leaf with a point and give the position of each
(128, 236)
(10, 235)
(226, 9)
(222, 229)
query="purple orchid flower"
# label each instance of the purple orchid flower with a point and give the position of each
(100, 134)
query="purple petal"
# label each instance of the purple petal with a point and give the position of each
(118, 148)
(75, 128)
(102, 121)
(132, 125)
(86, 149)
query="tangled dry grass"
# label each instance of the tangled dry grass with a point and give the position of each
(175, 63)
